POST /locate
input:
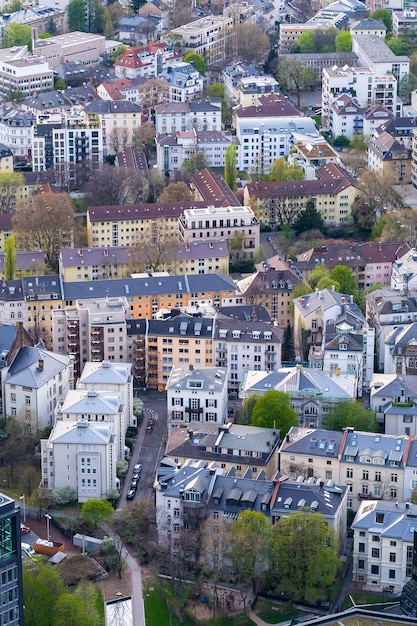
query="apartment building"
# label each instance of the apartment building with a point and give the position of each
(244, 85)
(369, 26)
(389, 158)
(16, 132)
(383, 539)
(118, 121)
(403, 21)
(369, 464)
(242, 346)
(74, 46)
(11, 586)
(312, 394)
(185, 82)
(414, 159)
(206, 36)
(400, 350)
(404, 272)
(394, 399)
(348, 118)
(289, 34)
(81, 455)
(197, 395)
(34, 381)
(186, 116)
(401, 128)
(147, 61)
(43, 295)
(210, 187)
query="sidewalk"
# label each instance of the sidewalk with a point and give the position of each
(255, 618)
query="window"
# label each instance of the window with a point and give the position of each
(349, 472)
(376, 538)
(361, 547)
(393, 493)
(375, 553)
(374, 569)
(361, 564)
(378, 477)
(394, 478)
(365, 475)
(392, 557)
(391, 574)
(329, 474)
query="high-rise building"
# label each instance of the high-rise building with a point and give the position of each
(11, 588)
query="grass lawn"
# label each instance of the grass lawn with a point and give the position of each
(156, 612)
(367, 598)
(275, 617)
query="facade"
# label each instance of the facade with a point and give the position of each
(74, 46)
(118, 121)
(312, 394)
(33, 384)
(206, 36)
(403, 22)
(26, 75)
(393, 398)
(77, 145)
(16, 132)
(12, 302)
(186, 116)
(400, 350)
(11, 586)
(389, 158)
(347, 117)
(146, 61)
(197, 395)
(404, 272)
(43, 295)
(185, 82)
(213, 222)
(383, 537)
(82, 455)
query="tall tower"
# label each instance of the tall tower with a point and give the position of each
(11, 587)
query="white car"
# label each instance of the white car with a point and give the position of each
(27, 548)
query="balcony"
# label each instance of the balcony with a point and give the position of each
(188, 409)
(365, 496)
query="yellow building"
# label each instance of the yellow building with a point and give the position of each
(390, 159)
(6, 159)
(118, 120)
(43, 295)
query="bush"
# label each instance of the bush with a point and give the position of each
(64, 495)
(131, 432)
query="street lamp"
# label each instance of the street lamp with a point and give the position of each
(24, 507)
(48, 519)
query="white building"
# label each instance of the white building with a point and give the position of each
(394, 399)
(197, 395)
(16, 131)
(33, 385)
(77, 145)
(206, 36)
(104, 407)
(404, 272)
(185, 116)
(81, 455)
(383, 535)
(400, 350)
(185, 82)
(348, 118)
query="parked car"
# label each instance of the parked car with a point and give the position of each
(134, 484)
(131, 494)
(27, 549)
(136, 476)
(24, 530)
(138, 468)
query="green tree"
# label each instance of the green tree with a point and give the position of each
(281, 170)
(383, 15)
(407, 84)
(197, 60)
(294, 77)
(400, 46)
(351, 414)
(413, 497)
(273, 410)
(9, 184)
(246, 410)
(42, 587)
(309, 219)
(197, 162)
(86, 16)
(76, 15)
(15, 34)
(288, 351)
(50, 26)
(137, 4)
(359, 143)
(60, 84)
(216, 90)
(304, 553)
(250, 537)
(10, 259)
(301, 289)
(344, 276)
(343, 41)
(230, 171)
(69, 611)
(317, 274)
(306, 43)
(95, 512)
(326, 282)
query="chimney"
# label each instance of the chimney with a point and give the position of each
(40, 364)
(302, 301)
(342, 300)
(191, 367)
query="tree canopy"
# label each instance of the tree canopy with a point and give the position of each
(351, 414)
(249, 41)
(230, 171)
(345, 279)
(273, 409)
(197, 60)
(250, 546)
(383, 15)
(175, 192)
(281, 170)
(343, 41)
(95, 512)
(309, 219)
(15, 34)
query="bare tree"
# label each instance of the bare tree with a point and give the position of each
(250, 42)
(144, 137)
(216, 555)
(9, 184)
(180, 14)
(154, 91)
(160, 254)
(110, 186)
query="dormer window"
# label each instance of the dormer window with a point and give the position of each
(343, 346)
(236, 334)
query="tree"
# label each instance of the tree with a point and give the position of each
(344, 277)
(9, 184)
(250, 42)
(305, 43)
(144, 137)
(376, 195)
(95, 512)
(69, 611)
(288, 350)
(343, 41)
(230, 160)
(197, 60)
(249, 538)
(413, 497)
(383, 15)
(215, 553)
(76, 15)
(301, 289)
(135, 527)
(197, 162)
(154, 91)
(398, 225)
(111, 185)
(246, 410)
(64, 495)
(180, 13)
(42, 588)
(50, 26)
(304, 555)
(122, 467)
(406, 86)
(136, 4)
(176, 192)
(295, 78)
(326, 282)
(113, 496)
(320, 271)
(60, 84)
(281, 170)
(400, 46)
(273, 410)
(309, 219)
(15, 34)
(10, 259)
(351, 414)
(88, 16)
(45, 225)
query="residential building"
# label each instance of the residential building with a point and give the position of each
(394, 399)
(370, 262)
(95, 330)
(76, 145)
(110, 376)
(213, 222)
(147, 61)
(172, 151)
(197, 395)
(401, 128)
(312, 156)
(16, 132)
(206, 36)
(410, 472)
(242, 346)
(312, 394)
(314, 311)
(121, 89)
(11, 338)
(186, 116)
(404, 272)
(400, 350)
(118, 121)
(136, 29)
(101, 407)
(185, 82)
(74, 46)
(11, 586)
(271, 286)
(383, 538)
(369, 26)
(81, 455)
(177, 341)
(26, 263)
(33, 383)
(369, 464)
(348, 118)
(374, 53)
(134, 160)
(12, 302)
(43, 295)
(210, 187)
(244, 85)
(136, 350)
(403, 22)
(6, 159)
(230, 446)
(414, 159)
(390, 159)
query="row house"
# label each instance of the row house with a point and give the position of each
(228, 223)
(210, 187)
(198, 257)
(231, 446)
(43, 296)
(400, 347)
(196, 395)
(118, 121)
(390, 159)
(383, 540)
(312, 394)
(185, 116)
(400, 128)
(348, 118)
(394, 399)
(16, 132)
(370, 465)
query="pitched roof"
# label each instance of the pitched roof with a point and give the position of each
(297, 187)
(212, 187)
(163, 210)
(81, 432)
(106, 372)
(92, 402)
(271, 105)
(35, 366)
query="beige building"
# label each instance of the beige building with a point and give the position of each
(118, 121)
(206, 36)
(390, 159)
(75, 46)
(26, 75)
